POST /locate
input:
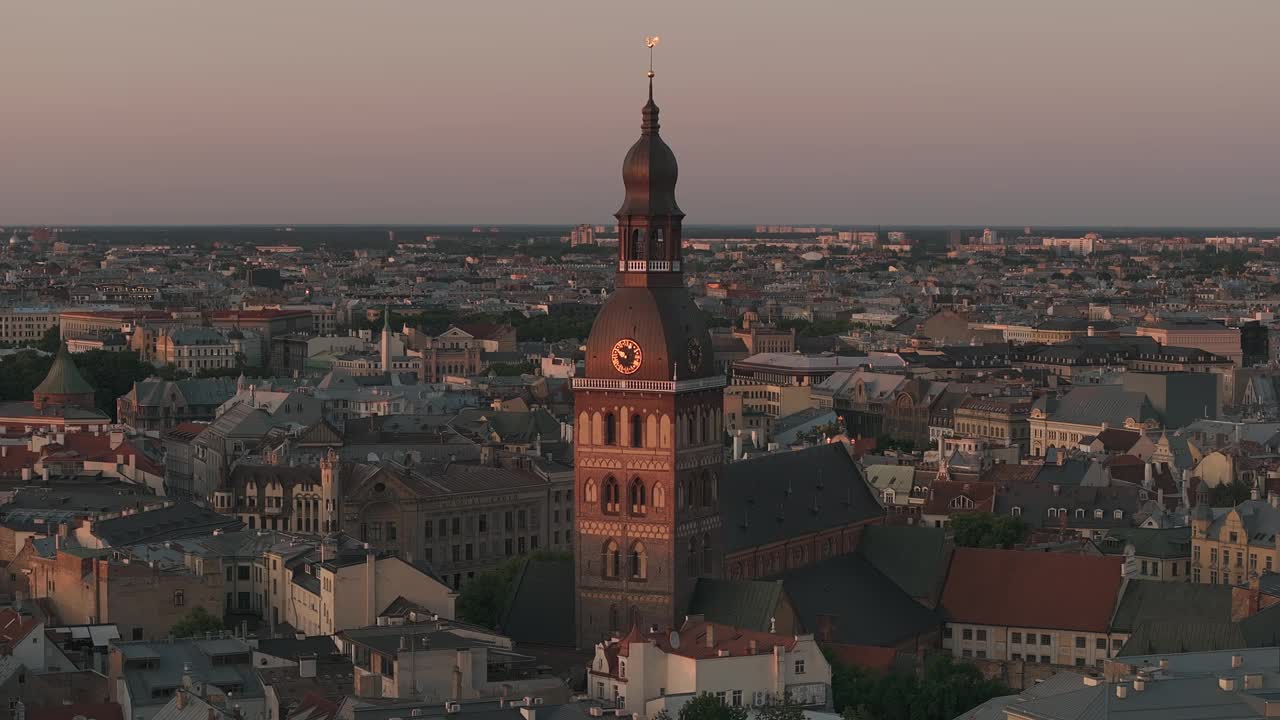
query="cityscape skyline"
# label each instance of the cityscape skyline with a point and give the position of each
(334, 116)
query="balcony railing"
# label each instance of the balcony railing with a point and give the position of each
(648, 266)
(663, 386)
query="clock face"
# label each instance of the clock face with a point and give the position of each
(695, 354)
(627, 356)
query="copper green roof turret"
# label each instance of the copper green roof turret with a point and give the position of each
(64, 377)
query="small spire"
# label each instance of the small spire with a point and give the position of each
(650, 124)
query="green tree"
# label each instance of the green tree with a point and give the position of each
(783, 708)
(1229, 494)
(484, 598)
(987, 530)
(511, 369)
(51, 340)
(706, 706)
(195, 623)
(944, 689)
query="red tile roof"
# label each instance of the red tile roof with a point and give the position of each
(1018, 588)
(879, 659)
(14, 628)
(94, 711)
(693, 640)
(944, 497)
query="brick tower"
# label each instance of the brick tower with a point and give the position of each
(649, 423)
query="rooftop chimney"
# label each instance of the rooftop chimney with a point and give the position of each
(1237, 661)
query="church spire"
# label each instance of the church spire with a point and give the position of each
(649, 221)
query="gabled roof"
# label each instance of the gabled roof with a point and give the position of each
(857, 602)
(748, 604)
(1153, 600)
(537, 612)
(790, 494)
(1035, 590)
(913, 557)
(1096, 405)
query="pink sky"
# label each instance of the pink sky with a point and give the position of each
(836, 111)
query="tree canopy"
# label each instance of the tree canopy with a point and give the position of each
(946, 688)
(1229, 494)
(706, 707)
(195, 623)
(987, 530)
(111, 374)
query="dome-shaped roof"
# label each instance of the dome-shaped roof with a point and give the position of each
(664, 322)
(649, 172)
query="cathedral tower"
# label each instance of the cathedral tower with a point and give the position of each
(649, 423)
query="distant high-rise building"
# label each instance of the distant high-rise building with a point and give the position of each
(582, 235)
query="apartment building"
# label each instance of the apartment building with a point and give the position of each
(22, 325)
(1233, 546)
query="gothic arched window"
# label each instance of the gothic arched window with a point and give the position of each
(612, 559)
(708, 489)
(639, 562)
(610, 429)
(591, 491)
(693, 557)
(637, 431)
(659, 496)
(707, 551)
(636, 495)
(610, 498)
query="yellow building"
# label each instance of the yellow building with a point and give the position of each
(1234, 545)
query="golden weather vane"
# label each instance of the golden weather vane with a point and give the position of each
(651, 42)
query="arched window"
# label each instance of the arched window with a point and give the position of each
(1053, 512)
(1118, 514)
(610, 429)
(706, 427)
(615, 619)
(1097, 514)
(611, 499)
(639, 562)
(591, 491)
(708, 489)
(612, 559)
(693, 557)
(706, 553)
(695, 490)
(636, 495)
(1080, 513)
(659, 496)
(637, 238)
(658, 240)
(637, 431)
(1015, 511)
